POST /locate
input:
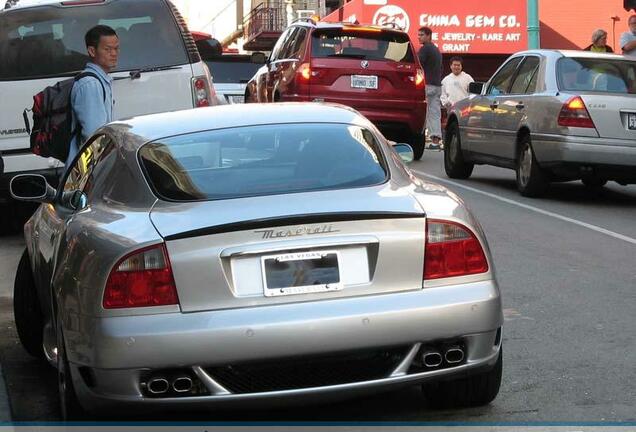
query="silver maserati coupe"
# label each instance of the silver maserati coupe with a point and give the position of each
(253, 253)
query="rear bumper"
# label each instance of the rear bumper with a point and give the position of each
(118, 350)
(398, 113)
(550, 149)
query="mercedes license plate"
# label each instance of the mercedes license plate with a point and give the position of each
(631, 121)
(364, 81)
(301, 273)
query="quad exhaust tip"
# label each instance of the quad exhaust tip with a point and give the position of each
(454, 355)
(158, 386)
(182, 384)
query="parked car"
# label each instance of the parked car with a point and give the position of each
(372, 69)
(551, 116)
(253, 252)
(42, 42)
(231, 72)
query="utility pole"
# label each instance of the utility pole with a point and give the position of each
(534, 41)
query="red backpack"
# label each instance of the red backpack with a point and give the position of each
(52, 118)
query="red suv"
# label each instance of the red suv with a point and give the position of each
(372, 69)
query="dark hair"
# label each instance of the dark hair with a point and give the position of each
(93, 36)
(426, 30)
(456, 59)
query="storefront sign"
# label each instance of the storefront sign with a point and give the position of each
(486, 27)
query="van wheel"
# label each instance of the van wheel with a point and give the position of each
(416, 141)
(27, 312)
(454, 163)
(474, 390)
(532, 181)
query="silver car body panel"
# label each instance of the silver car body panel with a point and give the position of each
(213, 246)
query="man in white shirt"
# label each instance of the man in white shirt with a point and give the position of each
(455, 84)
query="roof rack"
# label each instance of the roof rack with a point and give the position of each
(305, 19)
(393, 25)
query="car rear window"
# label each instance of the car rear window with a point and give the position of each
(362, 44)
(597, 75)
(45, 41)
(232, 70)
(262, 160)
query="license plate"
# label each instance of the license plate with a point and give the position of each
(364, 81)
(301, 273)
(631, 121)
(235, 99)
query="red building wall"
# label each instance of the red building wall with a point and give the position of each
(569, 24)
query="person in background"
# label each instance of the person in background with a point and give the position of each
(431, 61)
(599, 42)
(455, 84)
(628, 38)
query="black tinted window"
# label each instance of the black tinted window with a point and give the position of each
(232, 70)
(527, 71)
(597, 74)
(262, 160)
(501, 81)
(49, 40)
(370, 45)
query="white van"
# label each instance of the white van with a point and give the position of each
(42, 42)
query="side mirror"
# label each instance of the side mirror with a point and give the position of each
(475, 87)
(258, 58)
(31, 187)
(78, 200)
(405, 151)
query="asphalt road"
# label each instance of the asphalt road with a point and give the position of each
(566, 265)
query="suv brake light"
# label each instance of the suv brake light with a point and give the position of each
(451, 250)
(201, 91)
(142, 278)
(574, 114)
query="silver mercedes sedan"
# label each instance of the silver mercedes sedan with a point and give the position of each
(551, 116)
(253, 253)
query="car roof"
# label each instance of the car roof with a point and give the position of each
(155, 126)
(339, 25)
(570, 53)
(23, 4)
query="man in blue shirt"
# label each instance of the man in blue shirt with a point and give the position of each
(91, 97)
(431, 61)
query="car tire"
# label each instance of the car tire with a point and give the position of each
(532, 180)
(27, 312)
(474, 390)
(593, 182)
(416, 141)
(454, 163)
(70, 408)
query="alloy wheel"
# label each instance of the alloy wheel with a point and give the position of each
(525, 165)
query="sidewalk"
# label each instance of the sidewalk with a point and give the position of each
(5, 412)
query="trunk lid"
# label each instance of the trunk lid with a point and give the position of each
(219, 249)
(614, 115)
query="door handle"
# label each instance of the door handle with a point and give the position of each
(520, 106)
(494, 105)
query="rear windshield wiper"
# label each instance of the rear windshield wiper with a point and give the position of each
(136, 73)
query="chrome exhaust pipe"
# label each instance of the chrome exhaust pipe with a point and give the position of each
(158, 385)
(454, 355)
(182, 384)
(432, 358)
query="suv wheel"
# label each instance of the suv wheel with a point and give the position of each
(454, 163)
(532, 181)
(26, 309)
(416, 141)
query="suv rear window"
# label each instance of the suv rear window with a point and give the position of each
(262, 160)
(369, 45)
(597, 75)
(47, 41)
(232, 68)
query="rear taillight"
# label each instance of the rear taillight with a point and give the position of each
(201, 91)
(142, 278)
(304, 71)
(417, 79)
(452, 250)
(574, 114)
